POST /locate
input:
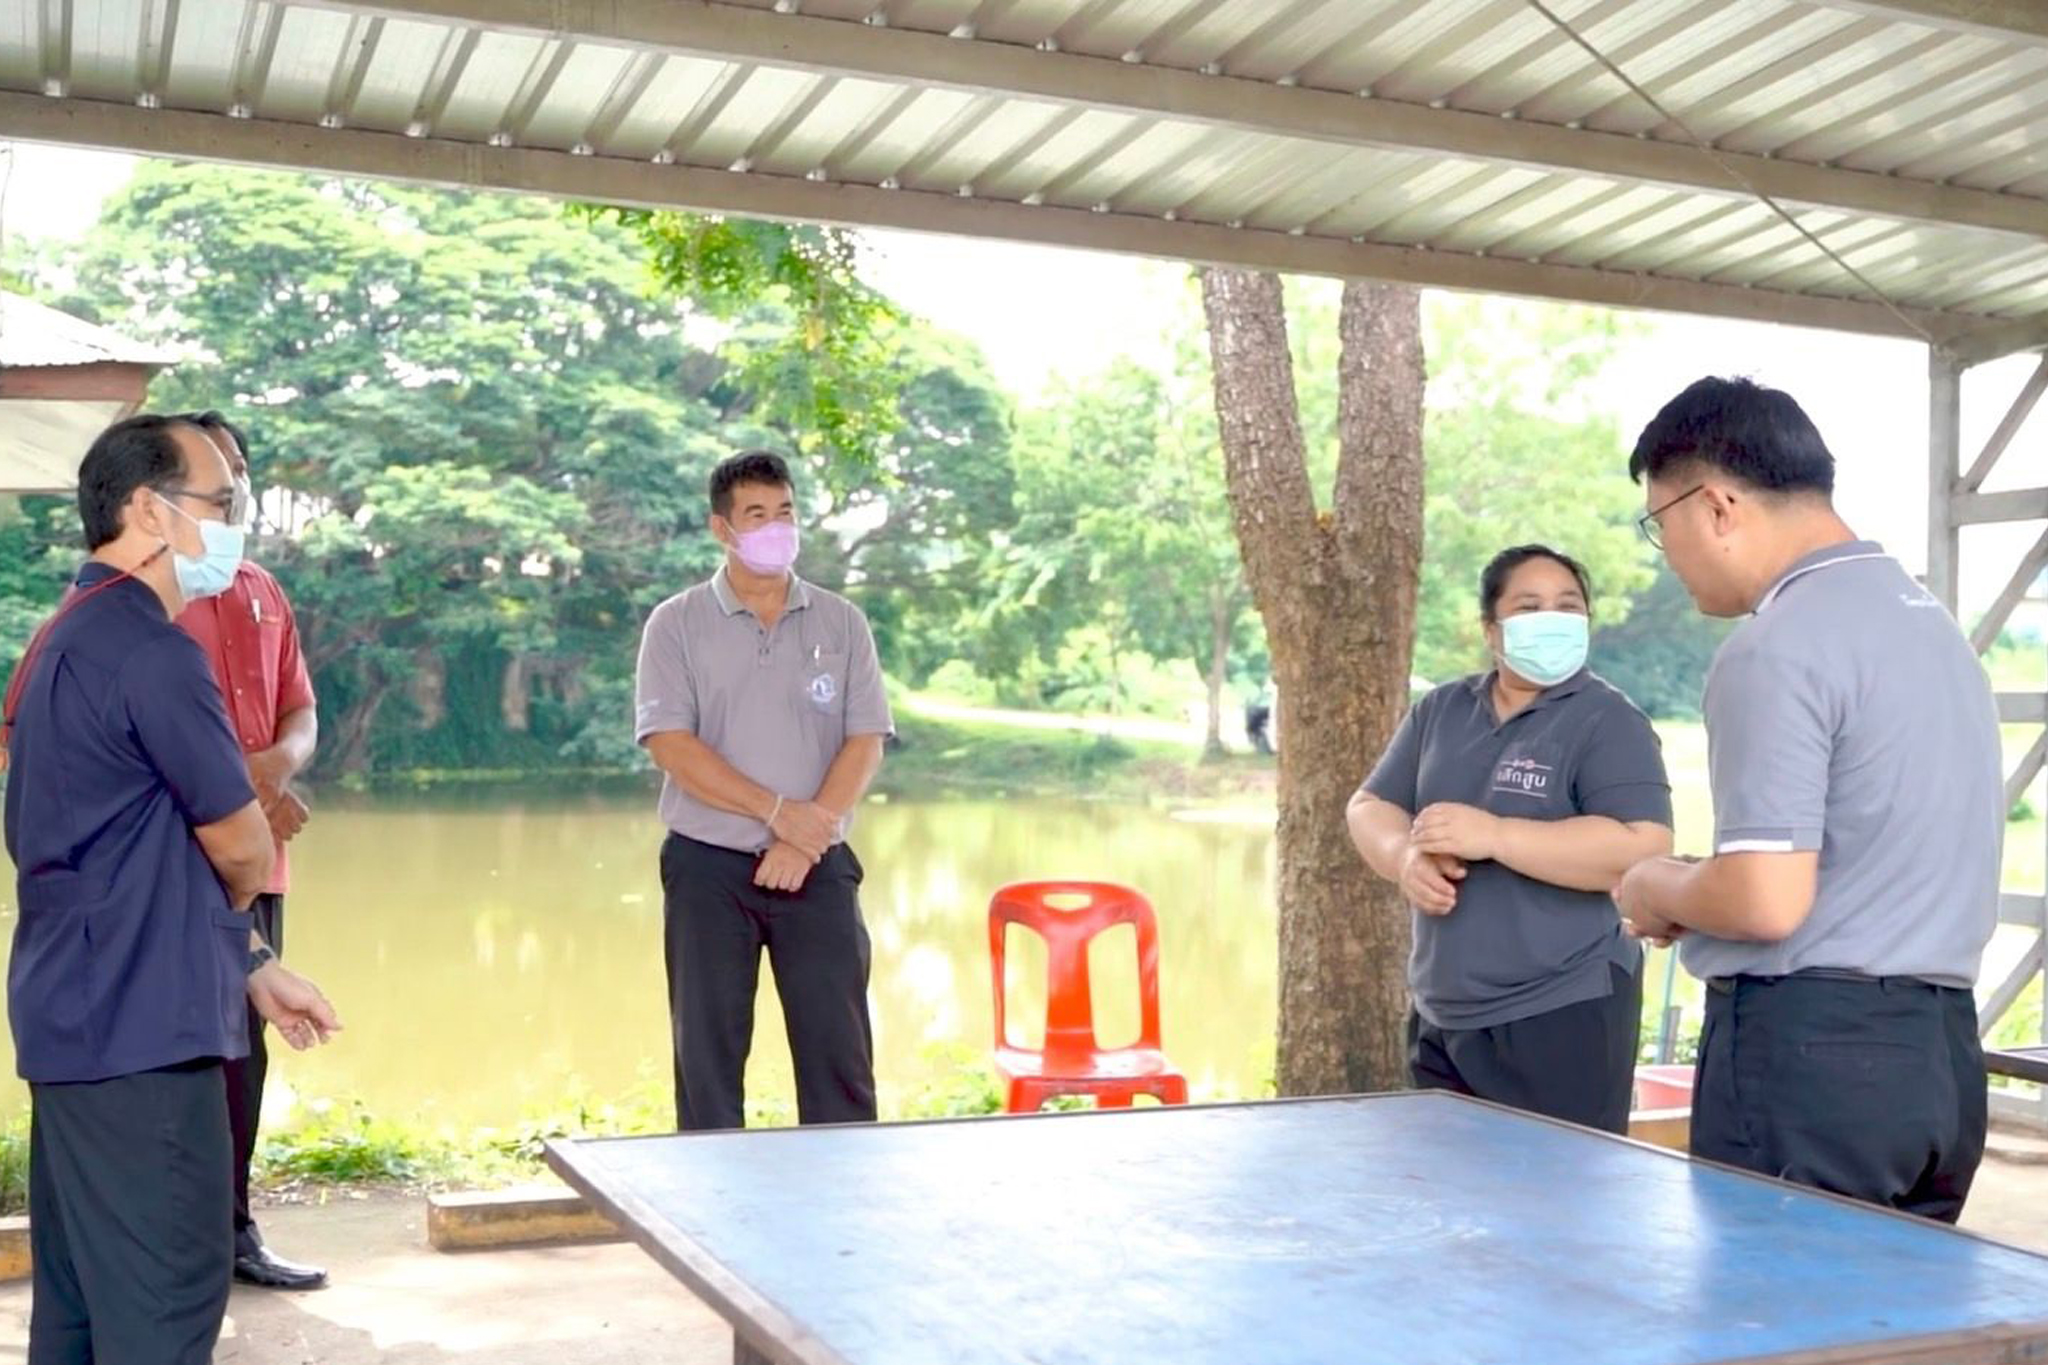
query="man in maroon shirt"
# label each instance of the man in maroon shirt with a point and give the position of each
(252, 640)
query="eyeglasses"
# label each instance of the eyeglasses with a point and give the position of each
(1652, 529)
(226, 502)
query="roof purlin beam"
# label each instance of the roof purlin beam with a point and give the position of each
(359, 152)
(890, 54)
(2017, 21)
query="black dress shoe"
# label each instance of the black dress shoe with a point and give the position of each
(259, 1266)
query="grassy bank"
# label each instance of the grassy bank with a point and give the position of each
(997, 757)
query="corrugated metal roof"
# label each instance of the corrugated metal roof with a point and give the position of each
(1472, 142)
(35, 336)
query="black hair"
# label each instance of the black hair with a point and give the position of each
(748, 466)
(1493, 580)
(136, 452)
(1738, 427)
(212, 420)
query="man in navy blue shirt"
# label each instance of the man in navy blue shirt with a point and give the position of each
(138, 844)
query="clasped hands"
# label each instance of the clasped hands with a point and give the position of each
(804, 832)
(1448, 836)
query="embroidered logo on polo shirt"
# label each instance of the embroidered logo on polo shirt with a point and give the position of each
(824, 690)
(1522, 776)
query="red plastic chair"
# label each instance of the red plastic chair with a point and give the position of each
(1072, 1062)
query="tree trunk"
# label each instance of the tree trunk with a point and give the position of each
(1336, 591)
(514, 700)
(427, 689)
(352, 746)
(1218, 669)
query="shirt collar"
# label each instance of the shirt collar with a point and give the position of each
(729, 601)
(1482, 688)
(1819, 559)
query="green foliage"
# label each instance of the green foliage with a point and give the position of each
(1513, 457)
(482, 445)
(959, 1083)
(38, 551)
(1123, 550)
(14, 1168)
(1659, 654)
(809, 342)
(344, 1144)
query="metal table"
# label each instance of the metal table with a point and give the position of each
(1423, 1229)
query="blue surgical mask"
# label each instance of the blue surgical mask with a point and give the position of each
(209, 573)
(1546, 647)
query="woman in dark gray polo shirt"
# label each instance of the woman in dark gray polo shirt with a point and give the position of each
(1507, 807)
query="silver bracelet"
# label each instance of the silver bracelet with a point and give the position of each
(770, 821)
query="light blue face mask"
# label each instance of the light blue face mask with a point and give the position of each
(209, 573)
(1546, 647)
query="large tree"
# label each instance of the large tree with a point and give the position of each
(483, 427)
(1337, 591)
(1124, 527)
(1518, 454)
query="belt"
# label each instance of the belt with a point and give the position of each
(1725, 985)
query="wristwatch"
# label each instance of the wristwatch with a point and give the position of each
(260, 955)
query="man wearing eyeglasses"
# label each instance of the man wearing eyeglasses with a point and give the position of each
(1858, 809)
(138, 843)
(251, 639)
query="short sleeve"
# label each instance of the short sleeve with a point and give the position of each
(664, 687)
(1620, 773)
(867, 700)
(175, 712)
(1395, 777)
(1770, 739)
(294, 683)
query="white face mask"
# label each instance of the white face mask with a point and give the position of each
(210, 572)
(1546, 647)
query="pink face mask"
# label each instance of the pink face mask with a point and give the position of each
(768, 549)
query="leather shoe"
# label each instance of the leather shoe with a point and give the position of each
(258, 1265)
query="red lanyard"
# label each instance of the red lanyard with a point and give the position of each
(72, 598)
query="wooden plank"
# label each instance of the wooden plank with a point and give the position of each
(103, 381)
(2008, 427)
(2009, 597)
(1984, 509)
(2025, 971)
(2022, 909)
(2026, 770)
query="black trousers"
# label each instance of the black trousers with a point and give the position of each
(128, 1219)
(244, 1077)
(1869, 1087)
(1575, 1063)
(715, 924)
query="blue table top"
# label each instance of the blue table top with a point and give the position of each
(1414, 1228)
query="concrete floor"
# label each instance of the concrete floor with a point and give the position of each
(395, 1301)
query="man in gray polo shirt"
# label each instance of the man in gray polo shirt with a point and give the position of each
(1858, 810)
(760, 698)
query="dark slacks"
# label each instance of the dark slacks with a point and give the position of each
(716, 923)
(244, 1077)
(129, 1220)
(1575, 1063)
(1868, 1087)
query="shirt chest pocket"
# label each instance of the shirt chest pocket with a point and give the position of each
(1529, 780)
(821, 685)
